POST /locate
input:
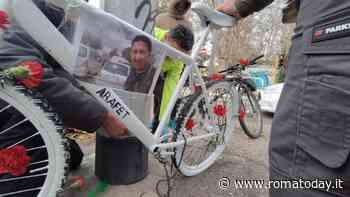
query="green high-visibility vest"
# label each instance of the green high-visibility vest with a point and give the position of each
(173, 69)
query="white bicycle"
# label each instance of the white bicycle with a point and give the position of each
(204, 118)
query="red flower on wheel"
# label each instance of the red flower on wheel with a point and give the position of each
(243, 62)
(220, 110)
(29, 73)
(189, 124)
(241, 113)
(217, 77)
(14, 160)
(4, 21)
(35, 74)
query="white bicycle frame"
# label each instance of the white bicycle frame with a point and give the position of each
(136, 127)
(64, 53)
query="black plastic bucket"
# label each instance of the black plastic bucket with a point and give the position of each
(120, 161)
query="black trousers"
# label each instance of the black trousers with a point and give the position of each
(310, 135)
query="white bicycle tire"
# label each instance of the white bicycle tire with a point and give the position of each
(57, 155)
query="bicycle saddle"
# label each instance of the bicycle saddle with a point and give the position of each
(210, 15)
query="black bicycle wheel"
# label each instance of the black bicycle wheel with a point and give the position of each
(250, 115)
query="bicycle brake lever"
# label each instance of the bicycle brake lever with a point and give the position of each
(253, 61)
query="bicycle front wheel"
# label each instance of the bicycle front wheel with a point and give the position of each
(26, 120)
(250, 115)
(210, 113)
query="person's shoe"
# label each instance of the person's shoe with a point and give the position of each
(100, 187)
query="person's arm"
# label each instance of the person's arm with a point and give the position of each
(16, 47)
(242, 8)
(173, 70)
(247, 7)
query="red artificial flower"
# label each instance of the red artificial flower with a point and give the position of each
(14, 160)
(243, 62)
(36, 73)
(217, 77)
(197, 88)
(220, 110)
(4, 22)
(190, 124)
(241, 113)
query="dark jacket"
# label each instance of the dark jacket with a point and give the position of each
(247, 7)
(140, 82)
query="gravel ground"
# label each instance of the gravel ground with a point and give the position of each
(243, 159)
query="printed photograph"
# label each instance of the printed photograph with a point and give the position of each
(112, 54)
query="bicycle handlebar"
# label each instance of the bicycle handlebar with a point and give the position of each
(232, 68)
(253, 61)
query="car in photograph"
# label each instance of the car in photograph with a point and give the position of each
(115, 72)
(269, 97)
(89, 61)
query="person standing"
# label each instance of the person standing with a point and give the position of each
(175, 14)
(310, 134)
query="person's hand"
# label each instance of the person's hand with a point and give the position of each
(114, 127)
(229, 8)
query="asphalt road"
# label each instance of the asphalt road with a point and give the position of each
(243, 159)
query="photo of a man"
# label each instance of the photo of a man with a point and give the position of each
(142, 72)
(113, 55)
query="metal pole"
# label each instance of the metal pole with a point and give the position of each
(102, 4)
(211, 65)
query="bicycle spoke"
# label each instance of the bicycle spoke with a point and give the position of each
(197, 138)
(20, 178)
(13, 126)
(36, 148)
(21, 191)
(202, 156)
(5, 108)
(251, 104)
(37, 133)
(39, 162)
(39, 169)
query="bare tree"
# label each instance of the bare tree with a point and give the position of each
(261, 33)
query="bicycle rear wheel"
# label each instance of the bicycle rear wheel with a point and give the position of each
(250, 115)
(26, 120)
(211, 113)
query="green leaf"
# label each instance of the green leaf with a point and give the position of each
(18, 72)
